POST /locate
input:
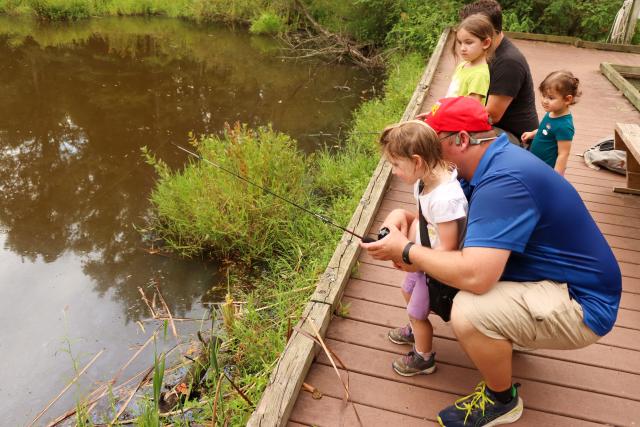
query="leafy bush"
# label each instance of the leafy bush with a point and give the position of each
(421, 23)
(268, 23)
(203, 209)
(587, 19)
(367, 21)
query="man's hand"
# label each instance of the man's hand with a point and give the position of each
(390, 248)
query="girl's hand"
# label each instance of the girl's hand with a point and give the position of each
(398, 219)
(390, 248)
(528, 135)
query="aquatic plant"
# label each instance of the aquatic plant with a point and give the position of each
(205, 210)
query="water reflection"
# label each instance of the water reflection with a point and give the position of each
(76, 104)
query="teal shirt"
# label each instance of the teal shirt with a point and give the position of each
(552, 130)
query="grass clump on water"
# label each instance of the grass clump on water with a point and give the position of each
(205, 210)
(268, 23)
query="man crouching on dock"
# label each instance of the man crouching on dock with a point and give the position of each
(535, 271)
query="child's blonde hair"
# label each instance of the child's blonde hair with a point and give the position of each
(480, 26)
(413, 137)
(563, 82)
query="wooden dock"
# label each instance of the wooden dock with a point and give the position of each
(596, 385)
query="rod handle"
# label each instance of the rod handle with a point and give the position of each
(381, 235)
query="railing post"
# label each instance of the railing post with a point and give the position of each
(630, 28)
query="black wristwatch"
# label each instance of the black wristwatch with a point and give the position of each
(405, 253)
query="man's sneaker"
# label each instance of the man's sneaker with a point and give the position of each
(402, 335)
(480, 408)
(413, 364)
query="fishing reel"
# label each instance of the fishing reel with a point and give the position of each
(384, 231)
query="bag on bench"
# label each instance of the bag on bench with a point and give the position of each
(603, 155)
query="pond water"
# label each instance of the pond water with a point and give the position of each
(77, 102)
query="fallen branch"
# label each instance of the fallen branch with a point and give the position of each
(339, 45)
(168, 313)
(146, 301)
(331, 355)
(133, 392)
(55, 399)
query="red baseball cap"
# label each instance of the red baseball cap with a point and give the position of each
(456, 114)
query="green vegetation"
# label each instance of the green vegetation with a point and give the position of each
(405, 23)
(201, 210)
(268, 23)
(587, 19)
(204, 210)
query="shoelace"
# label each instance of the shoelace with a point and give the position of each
(406, 331)
(409, 357)
(477, 399)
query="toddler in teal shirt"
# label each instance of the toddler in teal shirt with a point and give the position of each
(552, 140)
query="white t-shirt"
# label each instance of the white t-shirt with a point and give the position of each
(444, 203)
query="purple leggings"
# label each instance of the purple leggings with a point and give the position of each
(416, 285)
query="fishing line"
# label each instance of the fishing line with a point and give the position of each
(322, 218)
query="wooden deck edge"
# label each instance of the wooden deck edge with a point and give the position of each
(551, 38)
(281, 392)
(612, 73)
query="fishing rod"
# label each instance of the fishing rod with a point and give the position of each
(383, 232)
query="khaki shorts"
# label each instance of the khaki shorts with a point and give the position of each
(529, 314)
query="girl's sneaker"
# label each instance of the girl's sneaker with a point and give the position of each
(403, 335)
(413, 364)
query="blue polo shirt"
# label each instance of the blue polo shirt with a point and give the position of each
(520, 204)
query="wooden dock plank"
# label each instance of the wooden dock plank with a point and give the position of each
(459, 380)
(536, 365)
(409, 399)
(331, 411)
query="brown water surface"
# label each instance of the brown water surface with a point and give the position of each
(76, 104)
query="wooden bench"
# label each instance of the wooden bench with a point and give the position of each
(627, 138)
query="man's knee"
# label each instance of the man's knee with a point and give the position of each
(459, 321)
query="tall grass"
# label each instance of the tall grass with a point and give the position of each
(71, 10)
(205, 210)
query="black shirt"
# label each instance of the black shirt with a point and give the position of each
(511, 76)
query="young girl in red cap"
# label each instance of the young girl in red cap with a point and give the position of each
(415, 154)
(474, 37)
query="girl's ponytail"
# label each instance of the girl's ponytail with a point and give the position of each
(563, 82)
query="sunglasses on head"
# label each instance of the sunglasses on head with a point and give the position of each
(472, 140)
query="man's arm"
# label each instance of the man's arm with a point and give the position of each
(473, 269)
(497, 105)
